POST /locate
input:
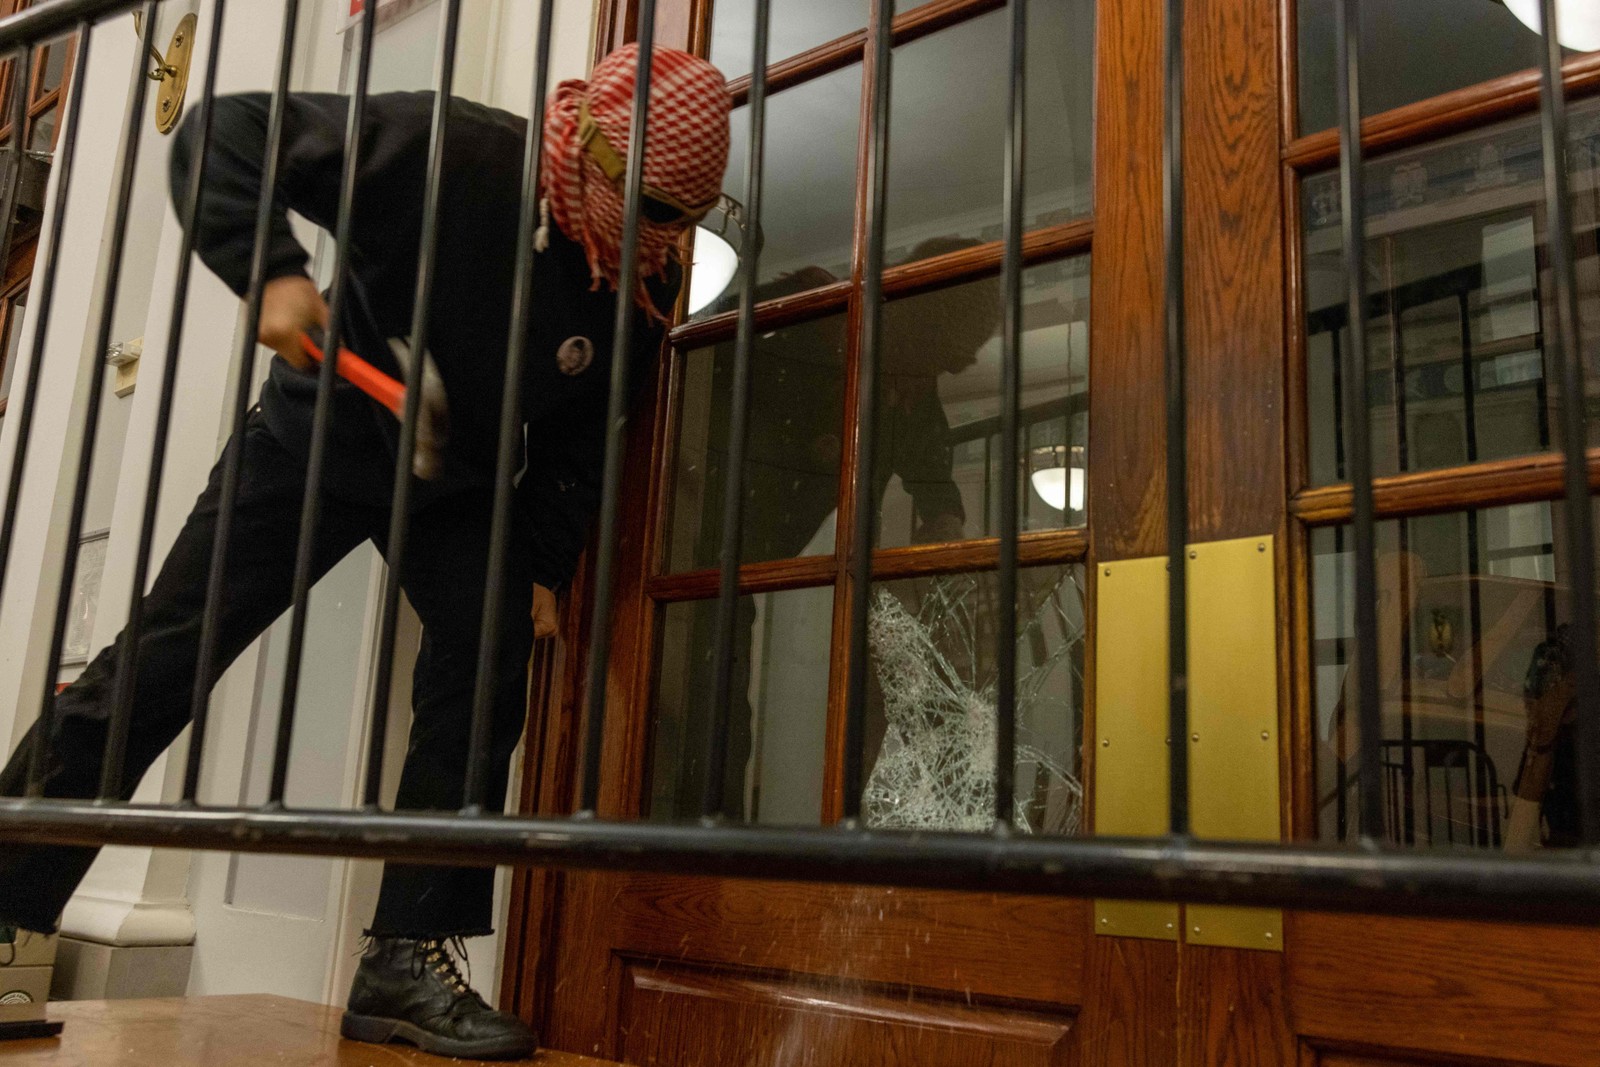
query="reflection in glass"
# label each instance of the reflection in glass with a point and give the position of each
(1474, 663)
(1412, 50)
(52, 65)
(809, 183)
(795, 27)
(1460, 298)
(43, 138)
(930, 739)
(939, 407)
(948, 120)
(777, 723)
(792, 467)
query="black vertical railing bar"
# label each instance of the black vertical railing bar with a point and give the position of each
(322, 418)
(30, 384)
(1358, 435)
(244, 387)
(738, 426)
(127, 664)
(1177, 428)
(866, 508)
(400, 507)
(617, 410)
(510, 441)
(1005, 703)
(92, 366)
(1567, 354)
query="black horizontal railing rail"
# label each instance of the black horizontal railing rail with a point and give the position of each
(1366, 876)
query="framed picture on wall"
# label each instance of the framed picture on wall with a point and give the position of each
(85, 598)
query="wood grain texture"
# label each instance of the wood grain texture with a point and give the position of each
(1480, 485)
(1129, 1015)
(680, 1017)
(1514, 993)
(1127, 486)
(1234, 1008)
(238, 1031)
(1426, 120)
(956, 942)
(1234, 269)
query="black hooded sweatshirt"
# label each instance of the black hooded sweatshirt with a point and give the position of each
(563, 401)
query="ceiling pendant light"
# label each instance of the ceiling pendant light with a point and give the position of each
(1577, 21)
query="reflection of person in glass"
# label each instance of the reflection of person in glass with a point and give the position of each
(792, 471)
(1545, 808)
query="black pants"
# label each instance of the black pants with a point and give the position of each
(443, 577)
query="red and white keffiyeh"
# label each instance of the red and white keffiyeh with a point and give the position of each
(686, 153)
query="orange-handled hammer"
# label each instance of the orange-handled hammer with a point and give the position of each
(433, 421)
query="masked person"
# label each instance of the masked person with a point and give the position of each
(408, 986)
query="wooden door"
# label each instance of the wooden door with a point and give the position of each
(679, 969)
(669, 970)
(1477, 739)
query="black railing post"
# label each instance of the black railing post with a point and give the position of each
(617, 412)
(232, 463)
(322, 418)
(711, 801)
(414, 372)
(1016, 141)
(866, 508)
(1358, 434)
(1177, 429)
(1565, 351)
(128, 660)
(510, 441)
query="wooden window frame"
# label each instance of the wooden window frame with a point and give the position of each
(1472, 486)
(39, 103)
(656, 587)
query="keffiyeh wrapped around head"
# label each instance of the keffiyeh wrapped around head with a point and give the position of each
(686, 153)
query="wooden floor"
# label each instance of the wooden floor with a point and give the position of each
(217, 1032)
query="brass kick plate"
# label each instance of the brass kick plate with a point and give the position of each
(1233, 711)
(1130, 747)
(1233, 718)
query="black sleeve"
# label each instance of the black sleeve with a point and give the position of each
(388, 185)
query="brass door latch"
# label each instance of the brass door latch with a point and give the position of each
(171, 70)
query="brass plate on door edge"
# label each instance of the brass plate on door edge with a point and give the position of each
(1233, 719)
(1233, 722)
(1130, 747)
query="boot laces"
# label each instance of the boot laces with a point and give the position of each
(439, 956)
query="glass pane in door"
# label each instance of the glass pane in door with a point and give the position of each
(939, 408)
(779, 715)
(931, 718)
(1474, 660)
(947, 123)
(792, 466)
(1458, 366)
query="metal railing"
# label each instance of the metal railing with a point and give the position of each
(1367, 877)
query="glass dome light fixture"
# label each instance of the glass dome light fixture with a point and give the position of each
(1577, 21)
(1059, 476)
(720, 241)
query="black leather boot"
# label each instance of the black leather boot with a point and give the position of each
(411, 991)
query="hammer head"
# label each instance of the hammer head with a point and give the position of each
(433, 414)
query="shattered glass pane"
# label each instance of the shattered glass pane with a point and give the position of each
(931, 714)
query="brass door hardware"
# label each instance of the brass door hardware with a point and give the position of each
(171, 70)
